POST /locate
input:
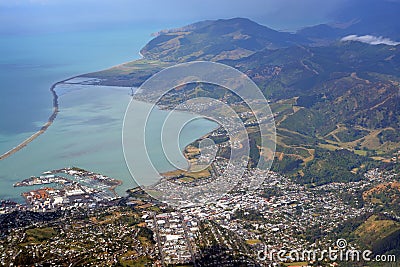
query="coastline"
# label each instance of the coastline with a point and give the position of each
(54, 114)
(44, 127)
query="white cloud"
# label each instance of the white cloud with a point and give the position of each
(370, 39)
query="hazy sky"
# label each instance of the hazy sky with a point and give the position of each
(63, 15)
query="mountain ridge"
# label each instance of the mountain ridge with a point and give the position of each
(367, 17)
(216, 40)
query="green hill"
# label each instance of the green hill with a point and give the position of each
(216, 40)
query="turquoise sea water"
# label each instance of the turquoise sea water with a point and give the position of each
(30, 64)
(87, 131)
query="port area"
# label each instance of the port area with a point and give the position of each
(68, 188)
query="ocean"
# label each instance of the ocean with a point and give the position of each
(87, 131)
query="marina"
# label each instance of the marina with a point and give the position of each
(67, 188)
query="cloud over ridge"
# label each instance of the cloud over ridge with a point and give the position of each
(370, 39)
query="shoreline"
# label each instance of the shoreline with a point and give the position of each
(43, 128)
